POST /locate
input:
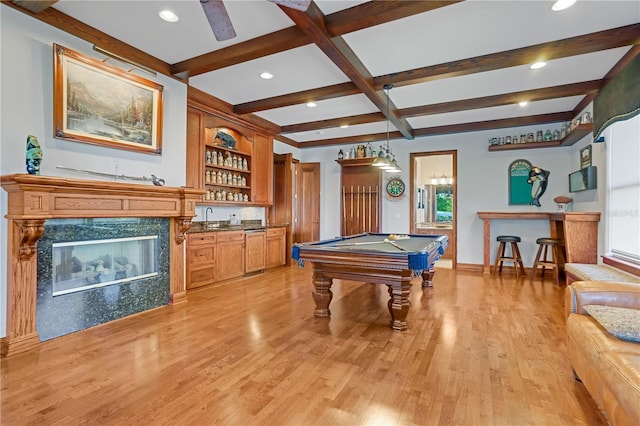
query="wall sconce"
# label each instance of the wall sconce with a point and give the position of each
(124, 60)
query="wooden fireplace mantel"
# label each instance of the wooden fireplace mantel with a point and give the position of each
(34, 199)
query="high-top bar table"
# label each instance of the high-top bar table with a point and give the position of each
(579, 230)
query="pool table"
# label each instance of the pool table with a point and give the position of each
(375, 258)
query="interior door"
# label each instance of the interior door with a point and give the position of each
(306, 216)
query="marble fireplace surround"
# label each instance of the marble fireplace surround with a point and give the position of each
(34, 199)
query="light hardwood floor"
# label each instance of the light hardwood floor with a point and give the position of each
(480, 350)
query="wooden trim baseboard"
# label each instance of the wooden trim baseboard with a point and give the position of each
(622, 265)
(468, 267)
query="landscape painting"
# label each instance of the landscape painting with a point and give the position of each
(104, 105)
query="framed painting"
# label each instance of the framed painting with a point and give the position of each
(585, 157)
(103, 105)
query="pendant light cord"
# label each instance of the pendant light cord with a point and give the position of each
(388, 87)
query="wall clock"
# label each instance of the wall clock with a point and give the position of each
(395, 187)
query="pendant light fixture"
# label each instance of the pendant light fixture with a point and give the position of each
(386, 160)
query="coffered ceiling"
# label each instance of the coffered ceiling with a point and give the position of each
(454, 65)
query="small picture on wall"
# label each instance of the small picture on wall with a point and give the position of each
(585, 157)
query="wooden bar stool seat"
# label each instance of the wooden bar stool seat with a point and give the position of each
(556, 262)
(515, 257)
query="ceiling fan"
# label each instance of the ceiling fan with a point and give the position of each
(219, 18)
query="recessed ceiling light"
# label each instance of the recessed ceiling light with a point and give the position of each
(537, 65)
(523, 103)
(344, 126)
(562, 5)
(266, 75)
(311, 104)
(168, 16)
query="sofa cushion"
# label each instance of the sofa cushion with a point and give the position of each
(623, 323)
(593, 272)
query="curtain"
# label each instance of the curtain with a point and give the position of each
(619, 99)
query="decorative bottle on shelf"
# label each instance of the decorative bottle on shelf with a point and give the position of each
(208, 156)
(340, 155)
(245, 165)
(368, 150)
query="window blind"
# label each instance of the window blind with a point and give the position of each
(623, 170)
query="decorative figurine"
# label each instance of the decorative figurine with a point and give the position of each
(538, 180)
(34, 155)
(340, 155)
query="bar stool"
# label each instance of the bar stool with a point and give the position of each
(515, 257)
(557, 258)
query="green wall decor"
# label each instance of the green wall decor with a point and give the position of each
(519, 188)
(527, 183)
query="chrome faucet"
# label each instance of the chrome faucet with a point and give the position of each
(206, 214)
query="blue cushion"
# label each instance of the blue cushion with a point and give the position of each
(624, 323)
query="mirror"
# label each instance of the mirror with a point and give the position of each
(433, 195)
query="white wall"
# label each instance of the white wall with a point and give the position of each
(482, 186)
(26, 108)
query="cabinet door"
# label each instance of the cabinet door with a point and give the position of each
(201, 259)
(276, 252)
(262, 170)
(195, 148)
(254, 255)
(230, 255)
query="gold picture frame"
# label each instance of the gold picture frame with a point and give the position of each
(103, 105)
(585, 157)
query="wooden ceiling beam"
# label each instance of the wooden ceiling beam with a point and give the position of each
(312, 23)
(587, 43)
(566, 90)
(501, 123)
(377, 12)
(276, 42)
(327, 92)
(448, 129)
(351, 120)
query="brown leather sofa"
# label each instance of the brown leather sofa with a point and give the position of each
(607, 366)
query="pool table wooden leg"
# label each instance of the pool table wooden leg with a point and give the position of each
(322, 294)
(427, 277)
(399, 304)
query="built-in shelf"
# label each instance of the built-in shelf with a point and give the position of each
(365, 161)
(574, 136)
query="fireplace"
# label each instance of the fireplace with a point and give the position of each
(36, 202)
(92, 271)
